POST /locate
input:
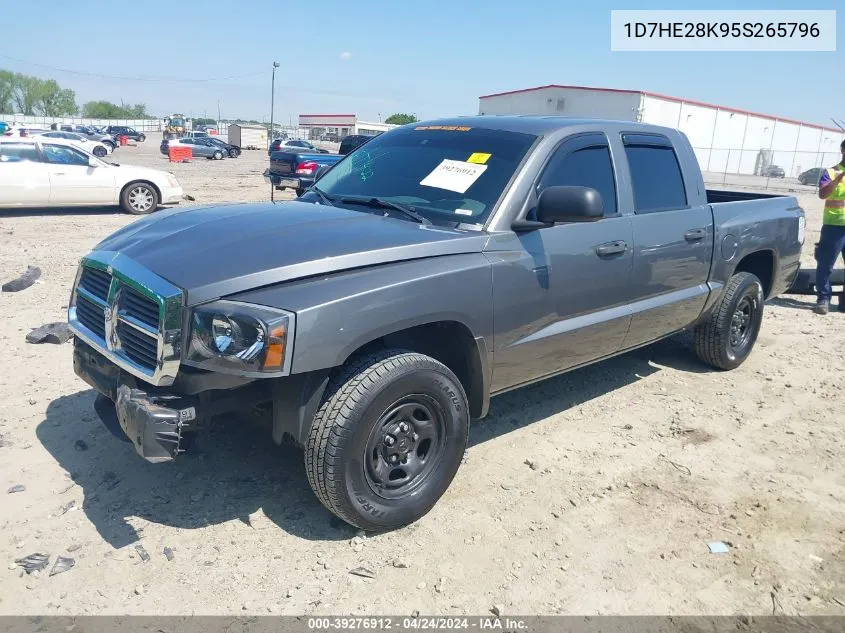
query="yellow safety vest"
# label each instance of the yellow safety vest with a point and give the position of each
(834, 204)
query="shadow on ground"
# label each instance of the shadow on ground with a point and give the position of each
(235, 469)
(62, 211)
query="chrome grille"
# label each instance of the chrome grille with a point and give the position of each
(130, 315)
(91, 316)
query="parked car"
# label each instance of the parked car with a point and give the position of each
(811, 176)
(130, 133)
(52, 172)
(351, 142)
(200, 147)
(96, 148)
(92, 133)
(5, 128)
(773, 171)
(378, 314)
(232, 150)
(294, 143)
(297, 169)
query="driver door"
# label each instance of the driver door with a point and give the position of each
(73, 181)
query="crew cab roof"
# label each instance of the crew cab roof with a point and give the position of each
(534, 124)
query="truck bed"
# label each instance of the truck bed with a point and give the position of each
(719, 195)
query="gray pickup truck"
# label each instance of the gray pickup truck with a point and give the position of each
(438, 265)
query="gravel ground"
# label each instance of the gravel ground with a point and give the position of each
(594, 492)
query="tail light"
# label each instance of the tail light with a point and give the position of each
(307, 168)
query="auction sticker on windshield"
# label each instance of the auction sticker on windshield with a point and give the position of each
(454, 175)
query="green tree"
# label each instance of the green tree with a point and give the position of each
(202, 121)
(7, 89)
(109, 110)
(401, 119)
(34, 96)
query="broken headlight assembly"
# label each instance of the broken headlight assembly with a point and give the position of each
(240, 338)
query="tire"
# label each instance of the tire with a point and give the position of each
(141, 138)
(139, 198)
(111, 146)
(726, 339)
(233, 153)
(218, 155)
(387, 394)
(99, 152)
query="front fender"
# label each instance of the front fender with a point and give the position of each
(339, 313)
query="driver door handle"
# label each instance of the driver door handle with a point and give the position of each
(609, 249)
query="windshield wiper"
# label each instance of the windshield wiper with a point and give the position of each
(387, 204)
(322, 195)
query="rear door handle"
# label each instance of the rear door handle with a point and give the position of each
(693, 235)
(609, 249)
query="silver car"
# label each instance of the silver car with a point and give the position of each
(200, 147)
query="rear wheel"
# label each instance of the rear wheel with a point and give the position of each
(387, 439)
(139, 198)
(99, 152)
(726, 339)
(218, 155)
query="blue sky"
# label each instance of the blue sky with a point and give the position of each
(432, 58)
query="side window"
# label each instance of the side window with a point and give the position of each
(656, 177)
(589, 166)
(61, 155)
(18, 152)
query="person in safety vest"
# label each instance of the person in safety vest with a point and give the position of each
(832, 240)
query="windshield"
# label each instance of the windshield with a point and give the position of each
(177, 122)
(450, 173)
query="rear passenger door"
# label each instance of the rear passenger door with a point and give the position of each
(673, 241)
(24, 181)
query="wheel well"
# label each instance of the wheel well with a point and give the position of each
(761, 264)
(141, 182)
(449, 342)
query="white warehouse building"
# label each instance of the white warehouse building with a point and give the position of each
(726, 140)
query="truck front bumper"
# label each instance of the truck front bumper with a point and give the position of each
(154, 419)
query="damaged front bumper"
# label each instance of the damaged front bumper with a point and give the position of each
(154, 419)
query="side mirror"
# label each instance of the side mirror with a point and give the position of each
(93, 162)
(321, 171)
(569, 204)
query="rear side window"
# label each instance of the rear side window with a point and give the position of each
(589, 166)
(62, 155)
(18, 152)
(655, 176)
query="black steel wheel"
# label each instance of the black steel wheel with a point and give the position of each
(387, 439)
(728, 335)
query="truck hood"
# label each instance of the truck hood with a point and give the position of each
(212, 252)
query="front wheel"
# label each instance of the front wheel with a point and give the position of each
(726, 339)
(387, 439)
(139, 198)
(233, 153)
(109, 145)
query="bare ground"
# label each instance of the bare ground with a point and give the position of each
(595, 492)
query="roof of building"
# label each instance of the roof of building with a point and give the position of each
(657, 95)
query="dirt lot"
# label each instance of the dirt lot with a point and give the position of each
(596, 492)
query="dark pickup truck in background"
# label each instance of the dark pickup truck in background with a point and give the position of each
(438, 265)
(296, 169)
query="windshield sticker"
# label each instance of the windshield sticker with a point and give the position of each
(463, 211)
(479, 158)
(454, 175)
(447, 128)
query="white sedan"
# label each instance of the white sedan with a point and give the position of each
(46, 172)
(92, 147)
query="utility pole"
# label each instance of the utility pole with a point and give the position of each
(272, 103)
(218, 111)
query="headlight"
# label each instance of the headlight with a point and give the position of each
(240, 338)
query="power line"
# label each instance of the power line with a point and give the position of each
(149, 79)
